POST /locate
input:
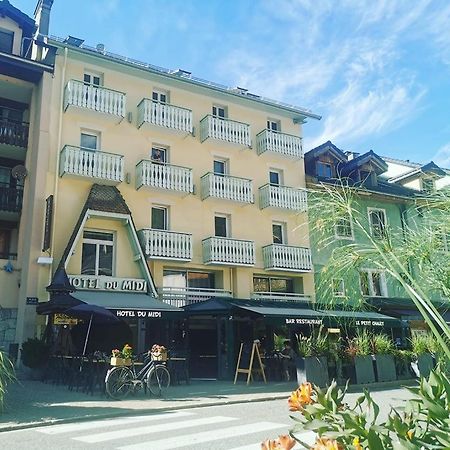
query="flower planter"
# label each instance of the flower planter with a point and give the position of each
(364, 369)
(425, 364)
(402, 367)
(161, 356)
(120, 361)
(385, 365)
(313, 369)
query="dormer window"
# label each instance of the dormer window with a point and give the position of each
(365, 176)
(428, 185)
(324, 170)
(6, 41)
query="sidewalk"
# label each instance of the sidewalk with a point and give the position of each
(33, 403)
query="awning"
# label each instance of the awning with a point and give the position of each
(126, 304)
(362, 318)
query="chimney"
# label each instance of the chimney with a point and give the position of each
(42, 17)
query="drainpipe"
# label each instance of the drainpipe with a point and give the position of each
(58, 153)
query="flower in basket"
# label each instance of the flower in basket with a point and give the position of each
(127, 351)
(115, 353)
(158, 352)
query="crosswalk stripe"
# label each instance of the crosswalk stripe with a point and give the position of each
(164, 427)
(71, 427)
(204, 436)
(308, 437)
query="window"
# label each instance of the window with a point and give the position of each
(338, 287)
(220, 167)
(377, 220)
(428, 185)
(275, 177)
(5, 240)
(324, 170)
(5, 176)
(343, 228)
(97, 253)
(269, 284)
(365, 176)
(188, 279)
(219, 111)
(160, 96)
(92, 79)
(278, 233)
(160, 218)
(159, 154)
(11, 114)
(273, 125)
(373, 283)
(6, 41)
(221, 226)
(89, 140)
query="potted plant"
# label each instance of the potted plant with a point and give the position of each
(158, 353)
(360, 350)
(312, 365)
(35, 354)
(423, 346)
(384, 357)
(122, 357)
(403, 359)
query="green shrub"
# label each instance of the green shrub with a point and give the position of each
(35, 353)
(317, 344)
(423, 343)
(278, 342)
(383, 344)
(6, 376)
(361, 344)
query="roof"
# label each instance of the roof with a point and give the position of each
(27, 23)
(184, 76)
(429, 168)
(369, 156)
(326, 147)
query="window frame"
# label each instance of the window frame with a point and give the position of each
(97, 242)
(383, 233)
(91, 133)
(350, 237)
(164, 151)
(370, 283)
(279, 174)
(227, 224)
(165, 210)
(324, 164)
(218, 107)
(341, 292)
(269, 283)
(159, 93)
(10, 34)
(426, 189)
(275, 122)
(282, 226)
(225, 163)
(93, 75)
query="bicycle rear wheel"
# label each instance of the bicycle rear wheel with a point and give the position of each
(119, 382)
(158, 380)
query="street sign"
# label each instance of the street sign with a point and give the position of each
(32, 300)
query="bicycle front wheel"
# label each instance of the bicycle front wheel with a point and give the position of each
(158, 380)
(119, 382)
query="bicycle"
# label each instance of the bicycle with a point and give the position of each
(122, 380)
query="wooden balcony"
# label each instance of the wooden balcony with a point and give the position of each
(225, 130)
(227, 251)
(280, 143)
(14, 133)
(183, 296)
(10, 199)
(164, 176)
(287, 258)
(93, 164)
(281, 297)
(163, 244)
(95, 98)
(283, 197)
(164, 115)
(227, 187)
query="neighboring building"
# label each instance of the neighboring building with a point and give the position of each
(26, 69)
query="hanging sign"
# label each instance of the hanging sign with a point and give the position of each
(48, 223)
(62, 319)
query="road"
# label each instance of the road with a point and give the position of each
(228, 427)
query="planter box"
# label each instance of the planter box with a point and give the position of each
(313, 369)
(403, 369)
(364, 369)
(120, 361)
(385, 365)
(425, 363)
(162, 356)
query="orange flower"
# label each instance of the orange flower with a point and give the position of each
(301, 397)
(356, 444)
(284, 442)
(326, 444)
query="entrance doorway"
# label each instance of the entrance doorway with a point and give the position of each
(203, 348)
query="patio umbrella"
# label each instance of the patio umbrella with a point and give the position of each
(95, 314)
(58, 303)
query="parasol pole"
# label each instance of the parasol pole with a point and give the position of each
(87, 334)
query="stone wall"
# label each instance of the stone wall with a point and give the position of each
(8, 321)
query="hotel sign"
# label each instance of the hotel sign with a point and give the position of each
(138, 314)
(102, 283)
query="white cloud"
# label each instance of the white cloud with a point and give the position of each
(442, 156)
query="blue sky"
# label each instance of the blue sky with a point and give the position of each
(378, 71)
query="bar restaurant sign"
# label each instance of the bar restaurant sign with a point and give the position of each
(102, 283)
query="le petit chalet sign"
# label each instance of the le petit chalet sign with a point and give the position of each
(102, 283)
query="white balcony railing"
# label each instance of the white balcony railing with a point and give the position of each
(227, 187)
(95, 98)
(163, 244)
(284, 144)
(285, 257)
(233, 252)
(225, 130)
(165, 115)
(281, 297)
(164, 176)
(282, 197)
(183, 296)
(91, 164)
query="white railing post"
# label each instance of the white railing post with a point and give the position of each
(225, 130)
(281, 143)
(163, 244)
(227, 187)
(218, 250)
(284, 257)
(283, 197)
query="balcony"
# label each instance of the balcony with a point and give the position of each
(230, 252)
(10, 199)
(282, 197)
(91, 164)
(163, 244)
(95, 98)
(281, 143)
(227, 187)
(225, 130)
(164, 115)
(14, 133)
(281, 297)
(164, 176)
(183, 296)
(285, 257)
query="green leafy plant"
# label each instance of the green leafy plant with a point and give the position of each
(7, 376)
(360, 345)
(304, 346)
(35, 353)
(278, 342)
(317, 344)
(383, 344)
(423, 343)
